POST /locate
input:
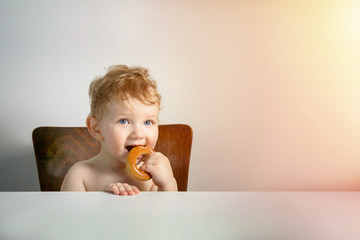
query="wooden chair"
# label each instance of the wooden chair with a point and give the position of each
(58, 148)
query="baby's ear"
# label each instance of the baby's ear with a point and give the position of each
(94, 128)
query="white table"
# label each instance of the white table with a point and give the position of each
(180, 215)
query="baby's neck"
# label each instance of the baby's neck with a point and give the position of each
(111, 163)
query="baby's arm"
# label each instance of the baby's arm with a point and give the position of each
(73, 180)
(158, 165)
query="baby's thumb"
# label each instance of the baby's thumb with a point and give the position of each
(145, 168)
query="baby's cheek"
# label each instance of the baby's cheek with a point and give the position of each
(117, 150)
(153, 137)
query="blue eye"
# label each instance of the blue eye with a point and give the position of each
(148, 122)
(123, 121)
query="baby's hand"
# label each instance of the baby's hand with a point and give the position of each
(158, 165)
(122, 189)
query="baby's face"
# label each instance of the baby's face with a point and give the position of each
(129, 123)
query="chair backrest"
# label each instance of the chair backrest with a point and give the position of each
(58, 148)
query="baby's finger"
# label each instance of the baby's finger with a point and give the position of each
(150, 158)
(150, 168)
(112, 188)
(121, 188)
(135, 189)
(129, 189)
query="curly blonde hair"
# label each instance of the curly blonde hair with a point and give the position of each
(121, 83)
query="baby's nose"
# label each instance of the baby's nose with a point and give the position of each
(138, 133)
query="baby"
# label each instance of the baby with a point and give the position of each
(124, 113)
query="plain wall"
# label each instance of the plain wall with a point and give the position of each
(270, 88)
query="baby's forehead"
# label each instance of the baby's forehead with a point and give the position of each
(131, 106)
(130, 102)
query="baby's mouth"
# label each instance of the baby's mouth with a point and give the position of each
(140, 157)
(131, 147)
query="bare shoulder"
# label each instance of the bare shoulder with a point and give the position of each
(75, 177)
(81, 166)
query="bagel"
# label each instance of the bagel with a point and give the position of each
(131, 165)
